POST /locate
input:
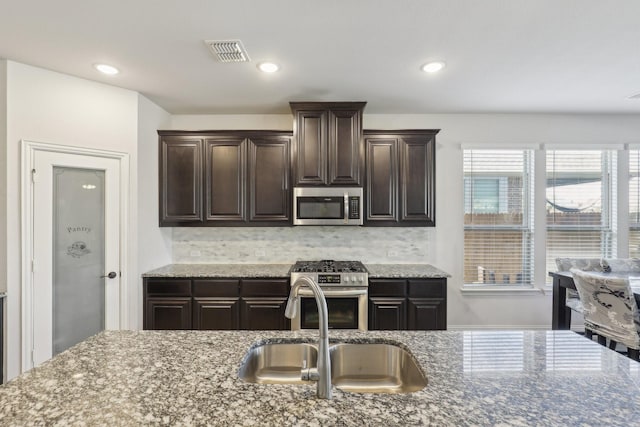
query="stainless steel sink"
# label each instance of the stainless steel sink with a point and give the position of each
(359, 368)
(277, 363)
(374, 368)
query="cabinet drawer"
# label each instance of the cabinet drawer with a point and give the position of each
(168, 287)
(387, 287)
(216, 288)
(428, 288)
(265, 287)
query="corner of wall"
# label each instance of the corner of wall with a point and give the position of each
(3, 174)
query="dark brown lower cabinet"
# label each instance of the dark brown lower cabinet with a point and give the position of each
(168, 313)
(263, 303)
(387, 313)
(215, 304)
(263, 313)
(216, 313)
(413, 304)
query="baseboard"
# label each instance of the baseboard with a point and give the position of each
(498, 327)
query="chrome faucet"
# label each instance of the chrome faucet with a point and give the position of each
(321, 374)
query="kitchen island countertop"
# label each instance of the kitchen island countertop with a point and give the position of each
(520, 378)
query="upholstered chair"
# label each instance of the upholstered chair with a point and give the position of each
(609, 309)
(584, 264)
(621, 265)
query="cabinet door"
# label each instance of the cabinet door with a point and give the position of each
(180, 180)
(427, 304)
(381, 196)
(168, 313)
(345, 147)
(417, 180)
(216, 313)
(311, 147)
(225, 161)
(427, 314)
(269, 174)
(266, 313)
(387, 313)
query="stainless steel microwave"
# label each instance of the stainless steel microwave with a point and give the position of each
(327, 206)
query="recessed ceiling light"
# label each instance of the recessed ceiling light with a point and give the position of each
(433, 67)
(106, 69)
(268, 67)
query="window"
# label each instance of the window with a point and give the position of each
(580, 194)
(634, 203)
(498, 244)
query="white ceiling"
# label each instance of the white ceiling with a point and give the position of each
(574, 56)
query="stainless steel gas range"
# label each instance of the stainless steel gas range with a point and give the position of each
(345, 286)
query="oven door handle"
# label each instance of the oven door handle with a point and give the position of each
(334, 292)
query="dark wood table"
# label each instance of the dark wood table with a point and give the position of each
(563, 280)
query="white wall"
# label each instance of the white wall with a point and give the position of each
(154, 242)
(445, 246)
(3, 202)
(51, 107)
(3, 176)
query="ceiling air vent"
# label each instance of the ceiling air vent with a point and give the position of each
(228, 50)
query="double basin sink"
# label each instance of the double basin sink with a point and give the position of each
(355, 367)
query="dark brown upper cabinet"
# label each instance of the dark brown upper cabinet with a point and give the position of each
(328, 146)
(225, 160)
(225, 178)
(400, 177)
(180, 180)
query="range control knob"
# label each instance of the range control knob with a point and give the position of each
(346, 279)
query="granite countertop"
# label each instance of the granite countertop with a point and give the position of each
(405, 270)
(282, 270)
(220, 270)
(508, 378)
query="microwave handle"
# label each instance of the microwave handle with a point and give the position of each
(346, 207)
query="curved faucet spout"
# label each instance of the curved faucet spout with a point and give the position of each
(324, 363)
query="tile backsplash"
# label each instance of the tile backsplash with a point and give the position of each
(246, 245)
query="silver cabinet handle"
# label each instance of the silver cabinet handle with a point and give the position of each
(111, 275)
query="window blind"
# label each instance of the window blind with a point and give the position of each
(634, 203)
(498, 243)
(580, 194)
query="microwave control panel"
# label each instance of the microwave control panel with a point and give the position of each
(354, 207)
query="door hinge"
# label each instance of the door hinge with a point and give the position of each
(33, 176)
(33, 265)
(33, 357)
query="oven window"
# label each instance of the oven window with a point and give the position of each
(320, 207)
(343, 313)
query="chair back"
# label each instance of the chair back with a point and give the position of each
(610, 308)
(584, 264)
(621, 265)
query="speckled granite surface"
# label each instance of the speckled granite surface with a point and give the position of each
(405, 270)
(282, 270)
(220, 270)
(177, 378)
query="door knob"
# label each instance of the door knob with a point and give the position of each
(111, 275)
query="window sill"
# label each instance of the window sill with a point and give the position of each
(500, 290)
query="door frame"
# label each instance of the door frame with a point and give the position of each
(29, 150)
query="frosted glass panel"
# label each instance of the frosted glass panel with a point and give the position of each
(78, 255)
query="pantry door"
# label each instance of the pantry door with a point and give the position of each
(76, 273)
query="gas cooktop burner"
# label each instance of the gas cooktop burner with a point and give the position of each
(328, 266)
